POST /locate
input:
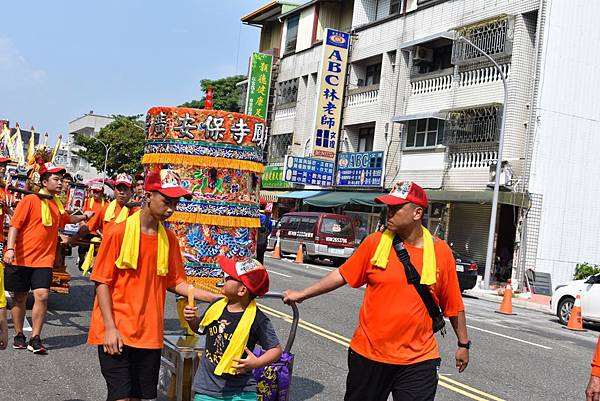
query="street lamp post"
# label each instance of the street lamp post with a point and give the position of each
(107, 149)
(494, 213)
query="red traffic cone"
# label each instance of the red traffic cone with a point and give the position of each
(506, 305)
(299, 254)
(575, 322)
(277, 251)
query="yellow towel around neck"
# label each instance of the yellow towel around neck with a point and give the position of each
(382, 254)
(238, 342)
(46, 215)
(130, 247)
(93, 201)
(89, 257)
(110, 213)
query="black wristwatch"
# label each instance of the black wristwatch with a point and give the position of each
(467, 345)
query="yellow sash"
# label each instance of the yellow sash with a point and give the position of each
(382, 253)
(92, 201)
(46, 215)
(238, 342)
(87, 262)
(110, 213)
(130, 247)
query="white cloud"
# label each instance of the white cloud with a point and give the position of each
(15, 66)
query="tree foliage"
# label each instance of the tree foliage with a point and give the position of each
(125, 136)
(226, 95)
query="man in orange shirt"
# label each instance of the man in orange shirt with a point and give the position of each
(138, 261)
(113, 212)
(31, 250)
(393, 349)
(592, 392)
(96, 204)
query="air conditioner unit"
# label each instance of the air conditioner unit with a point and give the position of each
(422, 55)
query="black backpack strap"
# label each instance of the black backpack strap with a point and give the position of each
(413, 277)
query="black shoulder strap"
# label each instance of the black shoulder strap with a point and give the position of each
(413, 277)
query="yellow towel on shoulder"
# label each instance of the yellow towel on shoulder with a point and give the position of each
(110, 213)
(130, 247)
(240, 336)
(87, 262)
(382, 254)
(46, 215)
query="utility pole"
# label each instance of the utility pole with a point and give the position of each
(494, 213)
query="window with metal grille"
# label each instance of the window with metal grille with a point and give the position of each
(423, 133)
(287, 92)
(394, 7)
(291, 34)
(477, 125)
(493, 36)
(365, 139)
(278, 147)
(373, 74)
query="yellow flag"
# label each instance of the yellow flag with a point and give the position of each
(55, 150)
(31, 147)
(19, 147)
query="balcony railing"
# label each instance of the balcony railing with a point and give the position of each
(483, 75)
(288, 112)
(360, 97)
(479, 76)
(473, 126)
(472, 159)
(494, 36)
(433, 84)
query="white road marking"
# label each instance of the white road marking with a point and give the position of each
(280, 274)
(508, 337)
(319, 267)
(26, 325)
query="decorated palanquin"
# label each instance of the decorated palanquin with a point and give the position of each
(218, 155)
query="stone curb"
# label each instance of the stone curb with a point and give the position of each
(517, 303)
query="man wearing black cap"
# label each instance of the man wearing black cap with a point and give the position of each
(31, 250)
(409, 276)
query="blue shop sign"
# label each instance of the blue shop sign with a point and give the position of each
(304, 170)
(362, 169)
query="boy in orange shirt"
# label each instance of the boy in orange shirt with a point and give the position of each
(31, 250)
(138, 261)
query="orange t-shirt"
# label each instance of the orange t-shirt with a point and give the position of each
(97, 221)
(36, 243)
(97, 208)
(394, 326)
(138, 296)
(596, 361)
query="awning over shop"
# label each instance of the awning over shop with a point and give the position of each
(519, 199)
(418, 116)
(335, 199)
(271, 196)
(440, 35)
(300, 194)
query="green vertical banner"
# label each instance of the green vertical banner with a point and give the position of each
(259, 85)
(273, 178)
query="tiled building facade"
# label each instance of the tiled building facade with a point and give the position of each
(433, 104)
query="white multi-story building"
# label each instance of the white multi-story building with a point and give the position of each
(89, 125)
(434, 104)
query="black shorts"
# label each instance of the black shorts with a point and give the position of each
(133, 374)
(374, 381)
(23, 279)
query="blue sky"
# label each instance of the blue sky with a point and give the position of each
(60, 59)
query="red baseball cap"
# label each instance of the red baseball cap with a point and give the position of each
(167, 182)
(123, 179)
(404, 192)
(249, 272)
(51, 168)
(5, 159)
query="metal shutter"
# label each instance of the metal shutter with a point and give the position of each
(469, 225)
